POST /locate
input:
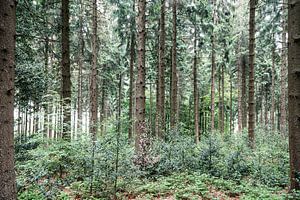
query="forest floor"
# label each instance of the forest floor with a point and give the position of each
(198, 186)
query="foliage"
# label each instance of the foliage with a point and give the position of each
(47, 168)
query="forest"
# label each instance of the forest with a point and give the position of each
(149, 99)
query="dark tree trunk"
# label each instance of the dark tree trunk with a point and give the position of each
(160, 97)
(272, 117)
(93, 86)
(66, 72)
(174, 78)
(244, 96)
(251, 101)
(7, 75)
(213, 67)
(80, 66)
(283, 72)
(294, 91)
(196, 95)
(140, 85)
(131, 75)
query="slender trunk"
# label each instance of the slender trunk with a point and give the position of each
(160, 97)
(140, 85)
(131, 74)
(266, 108)
(80, 66)
(222, 100)
(294, 91)
(93, 86)
(283, 71)
(272, 117)
(239, 81)
(119, 104)
(244, 96)
(231, 125)
(251, 102)
(7, 75)
(196, 95)
(213, 67)
(66, 72)
(103, 107)
(174, 78)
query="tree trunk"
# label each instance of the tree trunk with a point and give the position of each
(160, 97)
(196, 95)
(294, 91)
(140, 85)
(222, 100)
(272, 117)
(66, 72)
(80, 66)
(283, 72)
(251, 103)
(239, 81)
(174, 78)
(93, 86)
(244, 96)
(7, 75)
(213, 67)
(131, 74)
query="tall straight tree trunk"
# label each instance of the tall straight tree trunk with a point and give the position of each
(251, 103)
(239, 81)
(294, 91)
(244, 96)
(80, 66)
(119, 103)
(174, 78)
(196, 95)
(213, 67)
(272, 117)
(140, 85)
(66, 72)
(231, 125)
(93, 86)
(222, 100)
(283, 71)
(7, 75)
(160, 96)
(131, 75)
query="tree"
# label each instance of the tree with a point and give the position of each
(80, 66)
(213, 68)
(131, 71)
(160, 97)
(140, 83)
(93, 86)
(283, 70)
(174, 78)
(251, 120)
(196, 95)
(294, 91)
(7, 75)
(66, 71)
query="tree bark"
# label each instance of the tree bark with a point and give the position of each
(196, 95)
(251, 103)
(239, 80)
(131, 74)
(283, 72)
(294, 91)
(174, 78)
(213, 67)
(66, 72)
(93, 86)
(244, 96)
(7, 75)
(80, 67)
(160, 97)
(272, 117)
(140, 121)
